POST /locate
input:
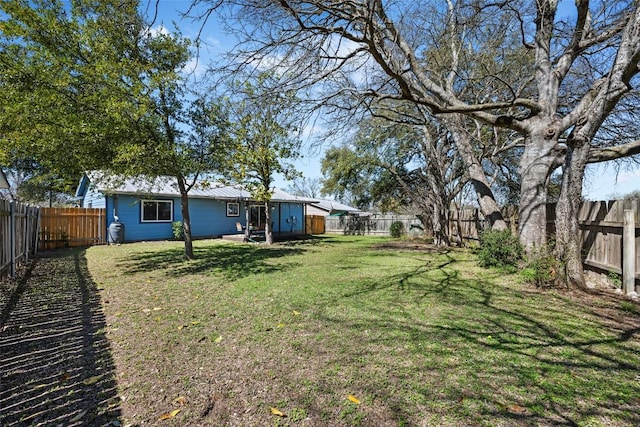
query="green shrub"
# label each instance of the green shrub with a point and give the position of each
(178, 230)
(630, 307)
(500, 249)
(542, 269)
(615, 279)
(397, 229)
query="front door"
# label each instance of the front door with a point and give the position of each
(257, 217)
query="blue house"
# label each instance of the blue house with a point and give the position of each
(147, 207)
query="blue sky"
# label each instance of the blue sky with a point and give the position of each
(602, 182)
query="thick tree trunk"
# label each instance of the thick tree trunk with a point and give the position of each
(186, 220)
(568, 241)
(440, 225)
(486, 199)
(536, 165)
(268, 233)
(247, 221)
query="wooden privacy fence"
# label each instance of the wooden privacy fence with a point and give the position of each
(314, 224)
(602, 227)
(18, 236)
(69, 227)
(375, 225)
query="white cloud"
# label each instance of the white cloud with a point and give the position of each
(606, 182)
(195, 66)
(160, 29)
(630, 176)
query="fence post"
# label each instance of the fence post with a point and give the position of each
(27, 236)
(12, 238)
(37, 237)
(629, 252)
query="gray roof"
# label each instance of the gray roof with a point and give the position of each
(332, 205)
(168, 187)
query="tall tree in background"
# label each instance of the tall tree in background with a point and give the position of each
(264, 139)
(306, 187)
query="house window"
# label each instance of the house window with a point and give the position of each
(233, 209)
(157, 210)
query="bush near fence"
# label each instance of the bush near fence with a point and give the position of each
(601, 230)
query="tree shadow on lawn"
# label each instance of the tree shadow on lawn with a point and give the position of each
(233, 260)
(57, 367)
(520, 357)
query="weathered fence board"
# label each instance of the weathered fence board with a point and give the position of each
(18, 235)
(375, 225)
(314, 224)
(69, 227)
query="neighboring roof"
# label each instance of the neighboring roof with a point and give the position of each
(168, 187)
(333, 206)
(3, 180)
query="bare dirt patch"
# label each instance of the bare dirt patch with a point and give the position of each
(57, 367)
(409, 245)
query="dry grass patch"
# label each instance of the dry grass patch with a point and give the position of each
(417, 337)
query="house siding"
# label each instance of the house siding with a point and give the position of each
(127, 208)
(94, 199)
(290, 218)
(313, 210)
(208, 216)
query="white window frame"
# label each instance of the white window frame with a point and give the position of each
(142, 203)
(237, 209)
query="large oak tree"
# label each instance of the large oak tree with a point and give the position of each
(581, 63)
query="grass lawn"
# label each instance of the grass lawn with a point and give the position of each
(356, 331)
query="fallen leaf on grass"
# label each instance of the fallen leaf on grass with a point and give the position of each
(280, 325)
(169, 415)
(195, 323)
(181, 400)
(353, 399)
(92, 380)
(218, 340)
(78, 417)
(296, 313)
(516, 409)
(276, 411)
(181, 327)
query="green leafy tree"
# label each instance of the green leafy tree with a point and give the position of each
(181, 134)
(64, 70)
(264, 140)
(398, 164)
(88, 85)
